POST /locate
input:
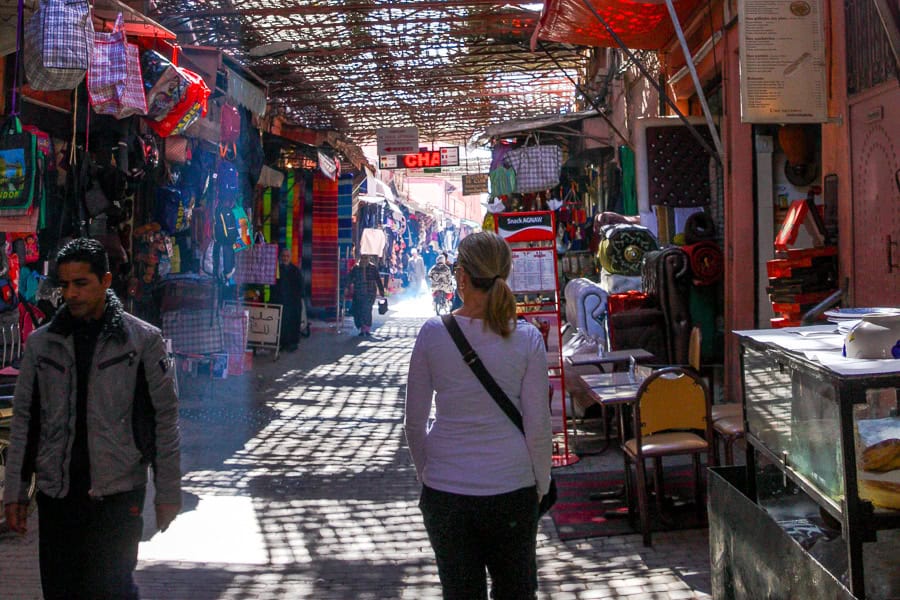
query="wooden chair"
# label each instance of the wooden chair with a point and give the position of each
(727, 419)
(728, 426)
(672, 404)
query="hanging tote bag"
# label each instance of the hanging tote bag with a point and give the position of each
(257, 264)
(164, 85)
(176, 97)
(59, 41)
(191, 107)
(18, 176)
(114, 80)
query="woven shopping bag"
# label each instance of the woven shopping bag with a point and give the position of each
(193, 331)
(114, 82)
(59, 42)
(235, 327)
(257, 264)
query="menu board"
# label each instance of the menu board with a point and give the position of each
(533, 271)
(783, 69)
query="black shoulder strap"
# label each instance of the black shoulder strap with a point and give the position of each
(471, 359)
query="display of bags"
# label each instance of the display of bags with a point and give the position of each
(178, 149)
(193, 331)
(622, 247)
(244, 232)
(537, 167)
(257, 264)
(114, 82)
(164, 85)
(173, 209)
(176, 97)
(19, 183)
(59, 42)
(186, 112)
(230, 124)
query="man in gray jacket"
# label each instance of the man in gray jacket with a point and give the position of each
(94, 406)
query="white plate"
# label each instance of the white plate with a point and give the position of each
(842, 314)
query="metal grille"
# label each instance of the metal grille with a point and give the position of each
(450, 67)
(869, 57)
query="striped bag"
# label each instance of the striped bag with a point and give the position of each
(59, 41)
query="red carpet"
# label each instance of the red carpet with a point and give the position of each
(576, 515)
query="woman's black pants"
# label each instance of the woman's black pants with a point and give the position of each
(472, 533)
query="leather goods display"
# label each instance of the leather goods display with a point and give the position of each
(59, 42)
(114, 82)
(707, 262)
(622, 247)
(471, 358)
(667, 282)
(19, 182)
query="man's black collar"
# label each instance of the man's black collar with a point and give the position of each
(63, 322)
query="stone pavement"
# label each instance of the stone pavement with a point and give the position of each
(298, 485)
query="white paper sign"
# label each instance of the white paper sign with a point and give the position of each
(533, 271)
(783, 69)
(397, 140)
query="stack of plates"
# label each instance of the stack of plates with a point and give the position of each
(847, 318)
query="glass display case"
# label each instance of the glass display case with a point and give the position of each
(812, 420)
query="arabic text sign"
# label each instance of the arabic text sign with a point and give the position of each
(397, 140)
(265, 324)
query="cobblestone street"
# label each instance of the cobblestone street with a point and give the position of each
(298, 484)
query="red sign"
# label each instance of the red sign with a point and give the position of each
(423, 159)
(429, 158)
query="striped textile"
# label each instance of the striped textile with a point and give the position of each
(345, 225)
(325, 277)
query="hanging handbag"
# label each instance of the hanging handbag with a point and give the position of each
(59, 42)
(18, 180)
(178, 150)
(471, 358)
(258, 264)
(176, 97)
(114, 80)
(230, 124)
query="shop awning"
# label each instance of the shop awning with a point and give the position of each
(640, 25)
(549, 123)
(135, 23)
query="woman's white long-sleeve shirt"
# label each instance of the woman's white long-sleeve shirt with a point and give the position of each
(472, 447)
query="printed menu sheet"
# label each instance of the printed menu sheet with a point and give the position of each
(533, 271)
(783, 69)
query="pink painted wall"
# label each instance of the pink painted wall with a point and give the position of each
(740, 235)
(836, 136)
